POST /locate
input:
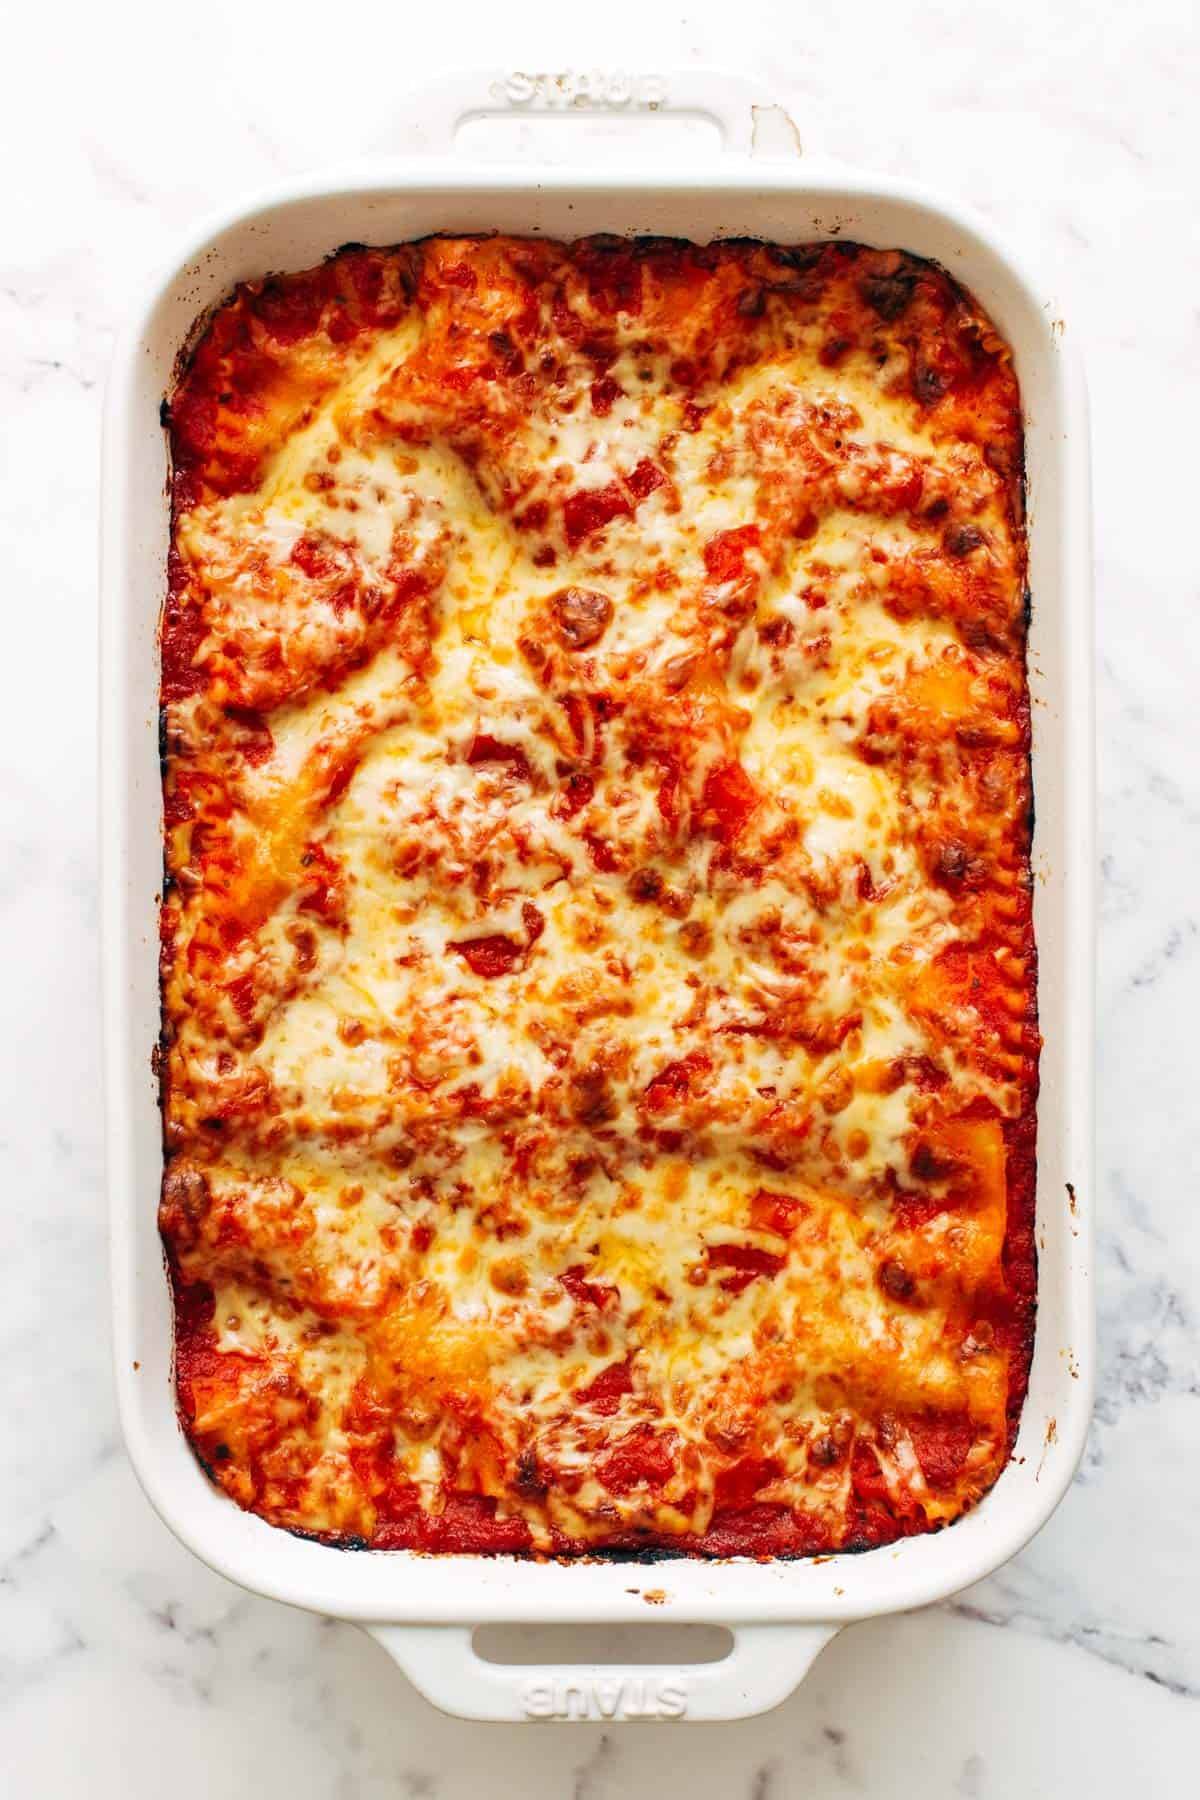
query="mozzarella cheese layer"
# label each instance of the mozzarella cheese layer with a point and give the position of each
(600, 1043)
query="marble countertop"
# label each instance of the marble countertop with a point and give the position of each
(125, 1666)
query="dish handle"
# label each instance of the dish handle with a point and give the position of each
(746, 117)
(764, 1666)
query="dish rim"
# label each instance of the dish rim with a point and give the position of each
(472, 1589)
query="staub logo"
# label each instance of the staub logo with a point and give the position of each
(602, 88)
(615, 1697)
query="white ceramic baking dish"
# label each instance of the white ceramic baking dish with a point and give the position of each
(423, 1609)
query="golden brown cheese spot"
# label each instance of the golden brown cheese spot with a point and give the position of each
(598, 977)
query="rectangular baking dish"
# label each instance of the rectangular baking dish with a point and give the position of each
(423, 1609)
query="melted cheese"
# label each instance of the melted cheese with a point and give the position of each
(573, 1013)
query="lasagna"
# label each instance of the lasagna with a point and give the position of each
(599, 1047)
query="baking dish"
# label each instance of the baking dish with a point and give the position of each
(423, 1609)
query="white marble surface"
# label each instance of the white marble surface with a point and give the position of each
(125, 1667)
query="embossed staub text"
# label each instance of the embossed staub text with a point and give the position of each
(605, 1697)
(601, 88)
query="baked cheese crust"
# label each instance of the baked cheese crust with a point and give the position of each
(599, 1030)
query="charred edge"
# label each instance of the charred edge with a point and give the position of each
(611, 1556)
(160, 1055)
(351, 1541)
(186, 353)
(801, 257)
